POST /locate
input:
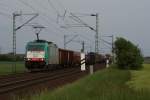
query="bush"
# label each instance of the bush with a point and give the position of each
(128, 56)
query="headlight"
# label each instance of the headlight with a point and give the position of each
(42, 59)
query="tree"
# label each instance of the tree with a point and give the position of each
(128, 56)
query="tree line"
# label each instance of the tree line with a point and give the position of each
(10, 57)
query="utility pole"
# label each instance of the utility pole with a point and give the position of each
(14, 41)
(113, 52)
(14, 34)
(97, 33)
(96, 30)
(83, 24)
(112, 46)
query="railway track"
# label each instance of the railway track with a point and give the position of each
(9, 85)
(18, 77)
(10, 76)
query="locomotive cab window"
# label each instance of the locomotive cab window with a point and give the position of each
(35, 47)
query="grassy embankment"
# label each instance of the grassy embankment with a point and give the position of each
(140, 79)
(6, 68)
(108, 84)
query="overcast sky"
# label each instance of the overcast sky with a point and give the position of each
(122, 18)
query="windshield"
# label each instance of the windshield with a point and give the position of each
(35, 47)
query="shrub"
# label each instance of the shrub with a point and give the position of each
(128, 56)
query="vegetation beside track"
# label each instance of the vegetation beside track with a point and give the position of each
(6, 68)
(140, 79)
(108, 84)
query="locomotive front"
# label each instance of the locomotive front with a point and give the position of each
(35, 55)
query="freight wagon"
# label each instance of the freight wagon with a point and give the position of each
(41, 54)
(69, 58)
(93, 58)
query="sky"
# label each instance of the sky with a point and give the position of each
(122, 18)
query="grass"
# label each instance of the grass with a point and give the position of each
(109, 84)
(6, 68)
(140, 79)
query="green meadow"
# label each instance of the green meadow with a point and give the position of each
(8, 68)
(107, 84)
(140, 79)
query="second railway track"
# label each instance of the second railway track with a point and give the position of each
(8, 86)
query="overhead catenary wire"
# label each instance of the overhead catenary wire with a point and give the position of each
(59, 25)
(38, 11)
(83, 36)
(45, 8)
(52, 6)
(28, 5)
(43, 17)
(61, 5)
(48, 10)
(106, 44)
(57, 12)
(81, 21)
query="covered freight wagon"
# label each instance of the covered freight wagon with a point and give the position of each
(65, 57)
(68, 57)
(77, 58)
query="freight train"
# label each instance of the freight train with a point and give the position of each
(44, 55)
(41, 54)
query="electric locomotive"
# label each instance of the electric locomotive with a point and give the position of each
(40, 54)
